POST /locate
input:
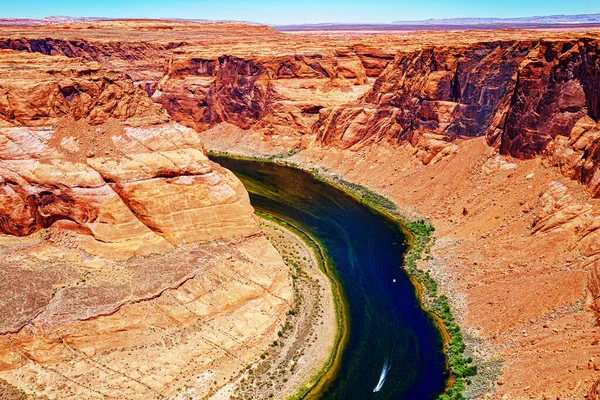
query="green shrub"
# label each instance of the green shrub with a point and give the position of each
(420, 228)
(460, 366)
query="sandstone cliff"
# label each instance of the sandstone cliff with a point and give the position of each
(268, 93)
(251, 77)
(105, 178)
(130, 263)
(525, 97)
(493, 136)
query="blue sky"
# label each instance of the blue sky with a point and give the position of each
(288, 12)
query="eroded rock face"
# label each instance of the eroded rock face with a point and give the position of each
(37, 92)
(117, 184)
(442, 92)
(521, 95)
(256, 92)
(162, 189)
(577, 155)
(594, 286)
(207, 74)
(554, 89)
(131, 266)
(594, 393)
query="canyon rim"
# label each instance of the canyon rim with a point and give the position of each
(134, 267)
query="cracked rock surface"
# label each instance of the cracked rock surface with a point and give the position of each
(131, 266)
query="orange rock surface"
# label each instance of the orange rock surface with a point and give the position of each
(491, 135)
(131, 266)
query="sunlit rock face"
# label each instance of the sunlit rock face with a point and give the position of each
(149, 185)
(252, 77)
(104, 160)
(270, 93)
(525, 97)
(130, 264)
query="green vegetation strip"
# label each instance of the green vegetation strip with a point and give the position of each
(420, 233)
(338, 301)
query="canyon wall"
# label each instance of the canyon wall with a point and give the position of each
(150, 167)
(221, 74)
(131, 265)
(493, 136)
(242, 90)
(526, 98)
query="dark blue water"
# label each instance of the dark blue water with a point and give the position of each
(389, 334)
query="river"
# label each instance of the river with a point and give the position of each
(393, 349)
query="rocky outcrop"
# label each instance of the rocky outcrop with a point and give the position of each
(557, 85)
(129, 184)
(375, 56)
(439, 92)
(131, 266)
(161, 190)
(520, 95)
(577, 155)
(35, 91)
(559, 210)
(85, 49)
(594, 393)
(254, 92)
(594, 286)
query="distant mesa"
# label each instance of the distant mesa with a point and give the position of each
(548, 19)
(47, 20)
(50, 20)
(427, 24)
(580, 20)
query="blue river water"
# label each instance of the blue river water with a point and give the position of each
(394, 349)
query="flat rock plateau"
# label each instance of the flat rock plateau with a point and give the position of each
(132, 266)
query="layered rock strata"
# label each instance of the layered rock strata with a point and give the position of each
(491, 135)
(132, 266)
(525, 97)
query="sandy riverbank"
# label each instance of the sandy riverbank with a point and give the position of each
(307, 335)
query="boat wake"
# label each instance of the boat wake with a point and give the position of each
(384, 372)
